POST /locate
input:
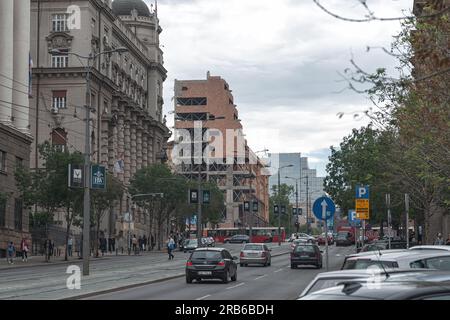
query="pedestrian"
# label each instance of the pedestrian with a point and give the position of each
(140, 244)
(153, 242)
(447, 243)
(47, 249)
(134, 241)
(170, 247)
(439, 240)
(24, 250)
(11, 250)
(113, 244)
(69, 246)
(109, 245)
(103, 246)
(144, 242)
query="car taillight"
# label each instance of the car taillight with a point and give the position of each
(242, 254)
(189, 264)
(221, 263)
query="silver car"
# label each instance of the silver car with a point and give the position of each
(255, 253)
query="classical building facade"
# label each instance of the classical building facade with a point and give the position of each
(205, 112)
(127, 128)
(15, 138)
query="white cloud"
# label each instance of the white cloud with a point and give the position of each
(281, 60)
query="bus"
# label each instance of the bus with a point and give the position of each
(260, 234)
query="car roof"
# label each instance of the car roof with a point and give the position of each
(391, 290)
(428, 247)
(401, 255)
(210, 249)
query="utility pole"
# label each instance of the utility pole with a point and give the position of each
(279, 208)
(388, 205)
(296, 204)
(199, 206)
(407, 219)
(308, 221)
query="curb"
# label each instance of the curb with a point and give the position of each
(137, 285)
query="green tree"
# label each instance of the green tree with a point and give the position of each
(281, 198)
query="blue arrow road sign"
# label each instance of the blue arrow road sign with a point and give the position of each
(362, 192)
(321, 204)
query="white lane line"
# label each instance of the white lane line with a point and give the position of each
(204, 297)
(278, 270)
(338, 255)
(261, 277)
(238, 285)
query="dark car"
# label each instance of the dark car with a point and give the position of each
(211, 263)
(190, 245)
(343, 239)
(306, 254)
(385, 290)
(239, 238)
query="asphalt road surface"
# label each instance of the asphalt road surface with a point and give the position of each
(277, 282)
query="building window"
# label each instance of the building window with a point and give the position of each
(105, 107)
(59, 22)
(19, 162)
(2, 161)
(59, 139)
(18, 211)
(60, 61)
(192, 101)
(59, 100)
(2, 211)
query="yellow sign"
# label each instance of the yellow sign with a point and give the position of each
(362, 209)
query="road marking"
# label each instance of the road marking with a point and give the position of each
(278, 270)
(204, 297)
(338, 255)
(238, 285)
(261, 277)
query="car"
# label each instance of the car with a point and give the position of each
(238, 238)
(255, 253)
(333, 278)
(382, 245)
(208, 242)
(190, 245)
(305, 236)
(298, 241)
(385, 290)
(425, 247)
(428, 259)
(321, 239)
(306, 254)
(211, 263)
(343, 239)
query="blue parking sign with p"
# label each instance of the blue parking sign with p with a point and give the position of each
(352, 218)
(362, 192)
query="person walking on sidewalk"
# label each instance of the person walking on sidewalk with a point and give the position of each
(24, 250)
(439, 241)
(135, 243)
(69, 246)
(11, 250)
(170, 247)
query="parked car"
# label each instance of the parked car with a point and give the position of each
(238, 238)
(208, 242)
(306, 254)
(428, 259)
(343, 239)
(333, 278)
(190, 245)
(387, 290)
(304, 236)
(211, 263)
(382, 245)
(255, 253)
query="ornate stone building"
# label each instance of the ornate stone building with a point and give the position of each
(127, 128)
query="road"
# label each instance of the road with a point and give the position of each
(277, 282)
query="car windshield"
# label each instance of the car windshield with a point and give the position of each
(206, 255)
(253, 247)
(192, 241)
(304, 249)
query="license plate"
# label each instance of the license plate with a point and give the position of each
(204, 273)
(304, 256)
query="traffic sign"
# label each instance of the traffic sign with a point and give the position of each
(362, 192)
(362, 209)
(98, 177)
(324, 208)
(352, 218)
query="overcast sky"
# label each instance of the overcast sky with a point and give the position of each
(281, 59)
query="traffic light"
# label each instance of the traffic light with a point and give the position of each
(275, 209)
(255, 206)
(283, 209)
(193, 196)
(246, 206)
(294, 211)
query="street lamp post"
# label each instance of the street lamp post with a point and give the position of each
(87, 151)
(279, 202)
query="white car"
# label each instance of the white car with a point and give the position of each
(425, 247)
(299, 235)
(297, 241)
